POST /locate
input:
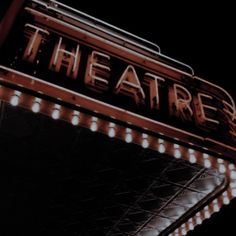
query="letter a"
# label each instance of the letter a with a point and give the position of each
(129, 85)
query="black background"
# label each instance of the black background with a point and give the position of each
(199, 34)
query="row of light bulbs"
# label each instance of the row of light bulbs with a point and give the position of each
(162, 146)
(56, 111)
(214, 206)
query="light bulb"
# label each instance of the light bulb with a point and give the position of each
(111, 130)
(177, 153)
(207, 163)
(192, 158)
(145, 143)
(190, 150)
(222, 168)
(176, 146)
(161, 148)
(56, 112)
(36, 105)
(15, 98)
(205, 156)
(75, 118)
(94, 126)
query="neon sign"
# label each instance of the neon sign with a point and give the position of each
(132, 87)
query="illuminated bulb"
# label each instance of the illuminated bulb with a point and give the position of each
(216, 208)
(128, 136)
(177, 153)
(199, 220)
(36, 105)
(222, 168)
(111, 131)
(206, 212)
(190, 150)
(176, 146)
(233, 174)
(233, 192)
(145, 142)
(207, 163)
(15, 98)
(233, 184)
(205, 155)
(161, 148)
(160, 141)
(190, 224)
(56, 112)
(183, 230)
(94, 125)
(176, 232)
(75, 118)
(192, 158)
(231, 166)
(225, 198)
(220, 161)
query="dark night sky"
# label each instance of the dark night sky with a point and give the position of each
(197, 34)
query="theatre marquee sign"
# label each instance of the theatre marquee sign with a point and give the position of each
(116, 81)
